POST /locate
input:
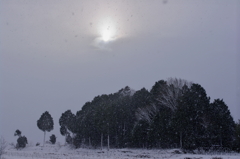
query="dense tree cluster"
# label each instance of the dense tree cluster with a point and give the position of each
(174, 113)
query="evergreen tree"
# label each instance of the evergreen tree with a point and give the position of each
(236, 146)
(222, 126)
(161, 133)
(140, 99)
(140, 134)
(67, 123)
(190, 117)
(157, 90)
(45, 123)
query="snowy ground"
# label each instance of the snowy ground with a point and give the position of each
(64, 152)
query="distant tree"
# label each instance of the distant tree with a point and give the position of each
(147, 108)
(189, 119)
(142, 107)
(53, 139)
(140, 134)
(45, 123)
(158, 113)
(160, 132)
(146, 113)
(3, 145)
(157, 90)
(171, 91)
(17, 133)
(237, 137)
(67, 123)
(222, 126)
(140, 99)
(21, 142)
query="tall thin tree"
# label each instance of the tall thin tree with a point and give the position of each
(45, 123)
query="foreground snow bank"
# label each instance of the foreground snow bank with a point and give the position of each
(65, 152)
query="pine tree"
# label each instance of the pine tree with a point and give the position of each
(161, 134)
(140, 134)
(45, 123)
(236, 146)
(190, 117)
(67, 124)
(222, 126)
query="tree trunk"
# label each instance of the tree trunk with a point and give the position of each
(221, 136)
(221, 139)
(89, 140)
(108, 142)
(101, 141)
(116, 140)
(44, 138)
(180, 139)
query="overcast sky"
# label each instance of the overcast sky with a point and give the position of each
(56, 55)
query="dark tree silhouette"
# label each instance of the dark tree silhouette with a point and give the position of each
(17, 133)
(53, 139)
(175, 113)
(45, 123)
(67, 123)
(21, 141)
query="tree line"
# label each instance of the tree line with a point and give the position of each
(174, 113)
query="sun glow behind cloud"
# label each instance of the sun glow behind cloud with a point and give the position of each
(106, 33)
(107, 30)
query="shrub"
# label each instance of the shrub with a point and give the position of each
(3, 145)
(53, 139)
(21, 142)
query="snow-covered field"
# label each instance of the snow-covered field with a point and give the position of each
(65, 152)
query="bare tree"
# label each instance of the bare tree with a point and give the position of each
(170, 94)
(3, 145)
(146, 113)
